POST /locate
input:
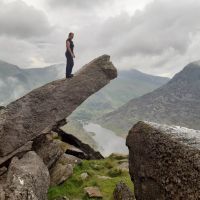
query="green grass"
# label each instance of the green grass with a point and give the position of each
(73, 188)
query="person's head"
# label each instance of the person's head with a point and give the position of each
(71, 35)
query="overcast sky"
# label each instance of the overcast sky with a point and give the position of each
(155, 36)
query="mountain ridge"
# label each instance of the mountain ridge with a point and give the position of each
(175, 103)
(19, 81)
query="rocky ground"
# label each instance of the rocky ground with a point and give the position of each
(98, 176)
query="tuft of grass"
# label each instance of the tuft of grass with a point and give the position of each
(73, 188)
(115, 172)
(116, 156)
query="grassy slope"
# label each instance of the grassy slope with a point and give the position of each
(73, 188)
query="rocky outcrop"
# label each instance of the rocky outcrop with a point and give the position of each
(37, 112)
(27, 148)
(164, 161)
(122, 192)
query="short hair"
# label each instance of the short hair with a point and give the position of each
(70, 34)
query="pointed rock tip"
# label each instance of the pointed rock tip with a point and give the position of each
(103, 62)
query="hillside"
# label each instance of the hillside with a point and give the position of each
(177, 103)
(129, 84)
(15, 82)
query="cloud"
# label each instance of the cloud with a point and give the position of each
(156, 39)
(24, 53)
(78, 4)
(17, 19)
(160, 38)
(161, 26)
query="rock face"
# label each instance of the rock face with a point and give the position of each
(122, 192)
(28, 178)
(37, 112)
(164, 161)
(61, 171)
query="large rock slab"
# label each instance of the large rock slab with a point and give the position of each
(28, 178)
(38, 111)
(164, 161)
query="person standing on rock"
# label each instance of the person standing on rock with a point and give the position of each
(69, 55)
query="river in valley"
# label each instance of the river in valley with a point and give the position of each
(108, 142)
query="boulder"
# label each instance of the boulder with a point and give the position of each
(28, 178)
(93, 192)
(61, 171)
(122, 192)
(164, 161)
(73, 160)
(48, 149)
(37, 112)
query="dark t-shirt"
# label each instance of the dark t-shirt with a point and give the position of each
(71, 46)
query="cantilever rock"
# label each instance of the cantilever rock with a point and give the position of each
(37, 112)
(164, 161)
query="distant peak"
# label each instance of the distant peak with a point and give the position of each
(194, 64)
(190, 72)
(2, 62)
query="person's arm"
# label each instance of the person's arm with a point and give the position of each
(69, 49)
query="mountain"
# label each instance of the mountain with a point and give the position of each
(129, 84)
(15, 82)
(175, 103)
